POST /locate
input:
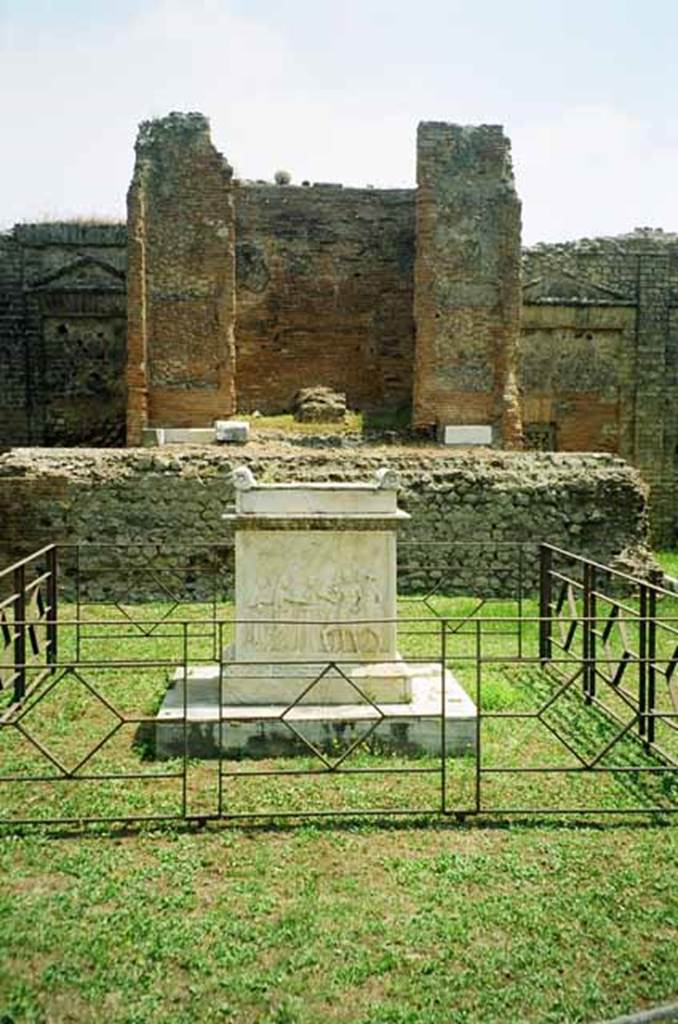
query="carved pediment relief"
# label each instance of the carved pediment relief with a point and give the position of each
(563, 288)
(87, 273)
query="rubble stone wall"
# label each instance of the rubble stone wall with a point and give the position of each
(463, 508)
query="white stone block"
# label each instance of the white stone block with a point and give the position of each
(177, 435)
(262, 684)
(232, 431)
(466, 434)
(342, 500)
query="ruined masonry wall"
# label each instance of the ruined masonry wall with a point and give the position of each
(181, 279)
(324, 294)
(62, 334)
(577, 374)
(14, 426)
(621, 318)
(592, 504)
(467, 280)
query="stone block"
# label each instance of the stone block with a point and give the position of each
(317, 500)
(232, 431)
(177, 435)
(466, 434)
(315, 583)
(283, 683)
(315, 595)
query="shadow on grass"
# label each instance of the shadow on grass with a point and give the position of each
(451, 823)
(597, 739)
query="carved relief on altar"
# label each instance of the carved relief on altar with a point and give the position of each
(310, 613)
(315, 595)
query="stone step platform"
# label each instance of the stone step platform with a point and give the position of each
(267, 730)
(286, 682)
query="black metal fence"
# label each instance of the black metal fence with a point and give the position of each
(550, 688)
(624, 635)
(28, 619)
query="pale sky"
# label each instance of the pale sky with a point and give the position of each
(332, 90)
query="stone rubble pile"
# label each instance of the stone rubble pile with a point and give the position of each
(319, 405)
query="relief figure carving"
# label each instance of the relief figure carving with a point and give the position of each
(292, 604)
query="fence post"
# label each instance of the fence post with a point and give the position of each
(184, 766)
(78, 610)
(589, 636)
(651, 655)
(642, 663)
(479, 713)
(521, 569)
(593, 612)
(52, 609)
(545, 600)
(443, 720)
(19, 581)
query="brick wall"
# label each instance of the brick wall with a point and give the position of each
(577, 369)
(14, 406)
(599, 282)
(239, 294)
(324, 294)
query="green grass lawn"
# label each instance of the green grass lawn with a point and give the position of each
(406, 920)
(420, 922)
(669, 562)
(352, 423)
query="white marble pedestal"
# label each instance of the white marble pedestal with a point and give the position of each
(315, 633)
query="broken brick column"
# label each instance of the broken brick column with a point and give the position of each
(181, 279)
(467, 281)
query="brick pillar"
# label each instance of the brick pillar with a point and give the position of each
(16, 364)
(467, 280)
(654, 438)
(181, 278)
(137, 380)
